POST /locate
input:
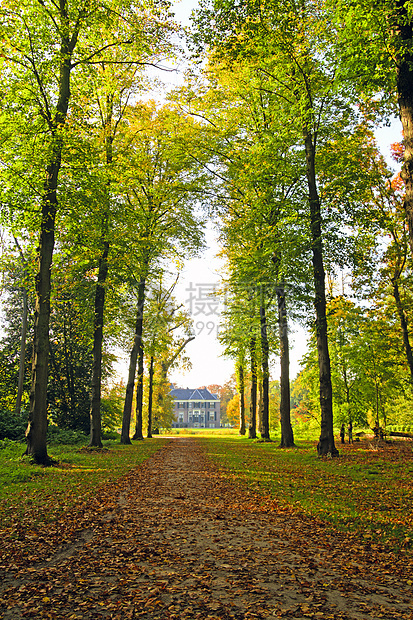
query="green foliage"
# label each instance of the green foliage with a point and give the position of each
(70, 354)
(12, 426)
(275, 397)
(62, 436)
(369, 369)
(112, 409)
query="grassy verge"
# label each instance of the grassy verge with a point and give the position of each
(50, 491)
(365, 490)
(200, 432)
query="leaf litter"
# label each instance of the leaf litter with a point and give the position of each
(174, 539)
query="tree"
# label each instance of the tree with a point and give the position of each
(240, 374)
(225, 394)
(163, 415)
(233, 411)
(16, 266)
(287, 437)
(294, 46)
(162, 183)
(70, 355)
(43, 43)
(375, 56)
(167, 332)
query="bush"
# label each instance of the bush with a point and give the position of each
(9, 446)
(56, 436)
(112, 435)
(12, 426)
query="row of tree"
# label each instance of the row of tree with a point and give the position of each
(290, 93)
(273, 130)
(101, 184)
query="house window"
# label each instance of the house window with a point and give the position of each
(181, 418)
(212, 405)
(212, 415)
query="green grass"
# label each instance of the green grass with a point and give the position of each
(199, 432)
(77, 473)
(364, 490)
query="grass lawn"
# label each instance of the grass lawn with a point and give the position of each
(366, 490)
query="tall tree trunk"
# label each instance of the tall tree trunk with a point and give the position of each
(159, 398)
(287, 437)
(265, 416)
(405, 331)
(22, 355)
(96, 383)
(100, 293)
(138, 435)
(241, 390)
(260, 404)
(326, 442)
(405, 100)
(127, 408)
(150, 397)
(36, 433)
(252, 430)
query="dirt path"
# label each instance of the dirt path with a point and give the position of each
(181, 542)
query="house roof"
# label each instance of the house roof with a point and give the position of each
(190, 394)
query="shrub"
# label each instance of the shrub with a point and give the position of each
(12, 426)
(56, 436)
(113, 435)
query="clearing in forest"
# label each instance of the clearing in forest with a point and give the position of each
(175, 538)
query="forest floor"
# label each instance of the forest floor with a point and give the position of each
(175, 539)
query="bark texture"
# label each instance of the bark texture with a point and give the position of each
(150, 396)
(404, 31)
(241, 390)
(287, 436)
(37, 427)
(404, 328)
(265, 415)
(127, 408)
(252, 429)
(96, 384)
(326, 442)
